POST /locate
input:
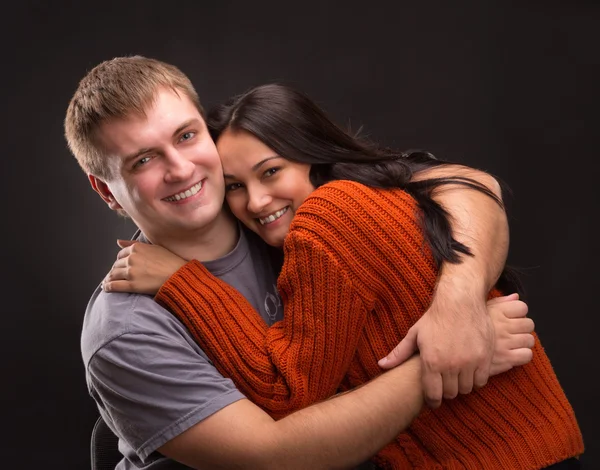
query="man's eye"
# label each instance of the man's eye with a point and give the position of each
(141, 161)
(187, 136)
(232, 186)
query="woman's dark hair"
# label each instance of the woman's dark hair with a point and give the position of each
(296, 128)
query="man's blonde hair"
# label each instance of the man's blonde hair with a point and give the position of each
(116, 89)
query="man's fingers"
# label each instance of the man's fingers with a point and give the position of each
(465, 382)
(405, 349)
(432, 389)
(450, 385)
(480, 377)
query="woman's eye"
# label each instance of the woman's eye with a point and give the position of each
(271, 171)
(232, 187)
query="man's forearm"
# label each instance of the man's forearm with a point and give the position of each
(455, 336)
(350, 428)
(478, 222)
(340, 432)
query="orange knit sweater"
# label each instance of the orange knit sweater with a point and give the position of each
(357, 275)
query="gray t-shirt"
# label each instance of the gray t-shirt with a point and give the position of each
(149, 378)
(252, 268)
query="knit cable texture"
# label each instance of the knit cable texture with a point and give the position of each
(357, 275)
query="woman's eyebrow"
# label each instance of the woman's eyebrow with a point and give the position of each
(255, 167)
(262, 162)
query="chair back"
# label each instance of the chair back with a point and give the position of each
(104, 447)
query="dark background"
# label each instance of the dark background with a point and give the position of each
(509, 87)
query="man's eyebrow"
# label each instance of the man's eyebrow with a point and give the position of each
(186, 124)
(134, 155)
(142, 151)
(254, 167)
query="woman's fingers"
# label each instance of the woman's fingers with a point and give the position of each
(521, 325)
(117, 274)
(125, 243)
(504, 298)
(521, 341)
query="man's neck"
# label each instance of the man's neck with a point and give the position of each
(207, 244)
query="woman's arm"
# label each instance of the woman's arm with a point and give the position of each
(283, 368)
(294, 363)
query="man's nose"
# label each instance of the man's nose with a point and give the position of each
(179, 167)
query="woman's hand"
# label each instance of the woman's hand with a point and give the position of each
(141, 268)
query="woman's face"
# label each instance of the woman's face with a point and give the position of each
(262, 189)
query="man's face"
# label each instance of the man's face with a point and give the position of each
(166, 173)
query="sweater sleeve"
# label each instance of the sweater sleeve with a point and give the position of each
(295, 362)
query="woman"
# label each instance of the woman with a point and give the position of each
(362, 255)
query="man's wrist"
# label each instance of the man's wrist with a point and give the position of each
(458, 289)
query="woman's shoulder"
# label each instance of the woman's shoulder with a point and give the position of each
(343, 194)
(349, 205)
(343, 186)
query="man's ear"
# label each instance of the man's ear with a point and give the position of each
(104, 191)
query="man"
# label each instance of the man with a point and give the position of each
(136, 127)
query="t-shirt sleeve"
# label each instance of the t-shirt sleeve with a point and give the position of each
(154, 387)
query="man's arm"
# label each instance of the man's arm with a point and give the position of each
(455, 337)
(161, 394)
(338, 433)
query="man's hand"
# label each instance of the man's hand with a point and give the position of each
(456, 344)
(455, 336)
(513, 340)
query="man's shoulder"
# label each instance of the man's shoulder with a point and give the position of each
(109, 316)
(147, 374)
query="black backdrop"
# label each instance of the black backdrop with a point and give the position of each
(509, 87)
